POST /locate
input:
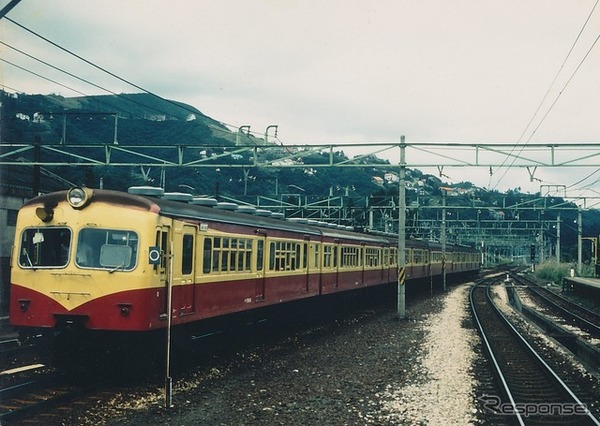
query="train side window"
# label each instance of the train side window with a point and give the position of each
(417, 256)
(305, 256)
(206, 259)
(164, 244)
(162, 238)
(297, 256)
(260, 254)
(241, 258)
(327, 256)
(272, 256)
(349, 257)
(248, 256)
(224, 261)
(216, 254)
(187, 255)
(373, 257)
(335, 256)
(155, 266)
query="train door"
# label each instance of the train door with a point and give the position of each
(385, 265)
(305, 261)
(361, 260)
(261, 245)
(336, 261)
(383, 253)
(161, 268)
(318, 262)
(185, 268)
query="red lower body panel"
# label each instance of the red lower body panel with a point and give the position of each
(145, 309)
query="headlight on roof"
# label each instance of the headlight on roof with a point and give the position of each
(78, 197)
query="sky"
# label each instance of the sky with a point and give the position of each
(341, 71)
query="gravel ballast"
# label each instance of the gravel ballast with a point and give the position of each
(368, 368)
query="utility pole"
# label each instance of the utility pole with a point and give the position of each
(240, 132)
(8, 8)
(63, 141)
(579, 232)
(271, 126)
(541, 255)
(402, 232)
(36, 168)
(558, 238)
(115, 142)
(443, 238)
(246, 173)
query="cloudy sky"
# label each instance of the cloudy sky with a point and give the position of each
(340, 71)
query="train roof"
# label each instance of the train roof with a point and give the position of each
(190, 211)
(435, 245)
(181, 209)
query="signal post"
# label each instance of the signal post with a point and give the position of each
(402, 233)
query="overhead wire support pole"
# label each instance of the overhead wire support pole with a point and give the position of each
(579, 237)
(115, 142)
(8, 8)
(402, 232)
(558, 239)
(443, 238)
(168, 377)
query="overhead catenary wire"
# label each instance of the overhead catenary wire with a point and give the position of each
(80, 79)
(557, 74)
(41, 76)
(535, 114)
(124, 80)
(94, 65)
(585, 178)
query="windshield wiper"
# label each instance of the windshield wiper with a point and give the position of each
(121, 265)
(29, 259)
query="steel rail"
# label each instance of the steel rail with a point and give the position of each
(569, 309)
(526, 354)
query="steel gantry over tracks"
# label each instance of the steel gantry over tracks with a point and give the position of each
(418, 154)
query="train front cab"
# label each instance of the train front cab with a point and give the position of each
(69, 270)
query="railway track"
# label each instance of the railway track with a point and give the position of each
(532, 393)
(34, 393)
(577, 315)
(48, 397)
(28, 396)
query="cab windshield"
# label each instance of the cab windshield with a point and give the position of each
(45, 247)
(106, 249)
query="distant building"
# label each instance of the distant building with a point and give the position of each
(377, 180)
(285, 162)
(391, 177)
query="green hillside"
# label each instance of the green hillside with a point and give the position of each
(355, 193)
(145, 120)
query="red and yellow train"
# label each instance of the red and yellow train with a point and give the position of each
(105, 260)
